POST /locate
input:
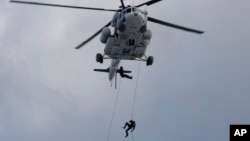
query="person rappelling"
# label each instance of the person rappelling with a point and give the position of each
(131, 126)
(122, 73)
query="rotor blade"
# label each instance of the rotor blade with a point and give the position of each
(174, 25)
(148, 3)
(64, 6)
(122, 4)
(93, 36)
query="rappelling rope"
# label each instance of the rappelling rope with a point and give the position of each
(116, 101)
(113, 114)
(133, 109)
(132, 136)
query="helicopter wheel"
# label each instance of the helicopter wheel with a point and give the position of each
(150, 60)
(99, 58)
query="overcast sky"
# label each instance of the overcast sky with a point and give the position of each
(197, 86)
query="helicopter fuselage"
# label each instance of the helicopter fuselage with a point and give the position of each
(131, 36)
(129, 40)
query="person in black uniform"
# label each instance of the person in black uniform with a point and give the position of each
(131, 126)
(121, 71)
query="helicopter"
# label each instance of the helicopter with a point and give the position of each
(130, 36)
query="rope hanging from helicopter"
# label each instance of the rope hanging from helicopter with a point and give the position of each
(116, 101)
(113, 114)
(133, 109)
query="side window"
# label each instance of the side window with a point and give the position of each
(128, 10)
(130, 42)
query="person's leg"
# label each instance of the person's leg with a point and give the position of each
(127, 131)
(122, 75)
(129, 77)
(126, 124)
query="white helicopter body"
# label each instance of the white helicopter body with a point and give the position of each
(129, 40)
(131, 37)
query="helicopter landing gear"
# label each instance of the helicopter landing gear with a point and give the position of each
(150, 61)
(99, 58)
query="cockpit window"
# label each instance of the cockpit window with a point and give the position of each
(131, 9)
(128, 10)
